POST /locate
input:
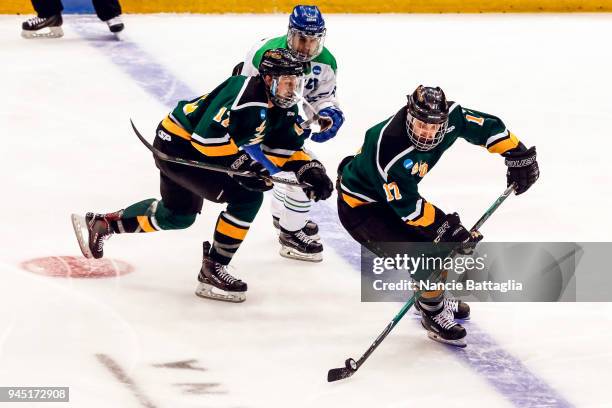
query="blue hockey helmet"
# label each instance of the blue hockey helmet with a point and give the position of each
(306, 33)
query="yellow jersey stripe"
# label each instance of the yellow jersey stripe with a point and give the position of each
(175, 129)
(280, 161)
(351, 201)
(504, 145)
(428, 217)
(215, 151)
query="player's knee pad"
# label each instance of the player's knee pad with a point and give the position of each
(168, 220)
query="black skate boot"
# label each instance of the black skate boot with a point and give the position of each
(115, 25)
(441, 327)
(98, 229)
(43, 27)
(216, 283)
(311, 228)
(298, 245)
(460, 309)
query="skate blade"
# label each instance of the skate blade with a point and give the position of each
(79, 225)
(457, 343)
(204, 290)
(293, 253)
(54, 32)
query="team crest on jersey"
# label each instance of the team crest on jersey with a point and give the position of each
(408, 164)
(423, 169)
(316, 69)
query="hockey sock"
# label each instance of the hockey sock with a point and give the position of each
(232, 227)
(148, 216)
(432, 301)
(229, 234)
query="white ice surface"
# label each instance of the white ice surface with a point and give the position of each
(67, 147)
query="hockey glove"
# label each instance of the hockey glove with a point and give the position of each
(331, 119)
(314, 174)
(244, 163)
(451, 230)
(304, 126)
(523, 169)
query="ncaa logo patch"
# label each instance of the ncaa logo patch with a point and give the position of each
(262, 114)
(408, 164)
(316, 69)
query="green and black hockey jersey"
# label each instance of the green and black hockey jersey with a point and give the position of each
(388, 168)
(319, 74)
(236, 113)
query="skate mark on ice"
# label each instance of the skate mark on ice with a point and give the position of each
(134, 61)
(121, 376)
(507, 375)
(184, 365)
(200, 388)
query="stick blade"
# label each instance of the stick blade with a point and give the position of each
(336, 374)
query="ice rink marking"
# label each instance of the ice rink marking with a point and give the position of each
(504, 372)
(124, 379)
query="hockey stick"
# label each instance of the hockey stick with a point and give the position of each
(315, 116)
(350, 365)
(212, 167)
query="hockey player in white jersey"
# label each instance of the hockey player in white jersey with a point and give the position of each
(298, 235)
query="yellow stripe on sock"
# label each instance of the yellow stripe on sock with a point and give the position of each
(144, 223)
(230, 230)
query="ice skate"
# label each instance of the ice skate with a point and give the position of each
(115, 25)
(91, 231)
(216, 283)
(298, 245)
(442, 328)
(43, 27)
(311, 228)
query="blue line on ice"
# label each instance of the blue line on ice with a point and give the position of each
(506, 373)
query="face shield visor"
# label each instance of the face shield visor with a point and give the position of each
(286, 90)
(304, 46)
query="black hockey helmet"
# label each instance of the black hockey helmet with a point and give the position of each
(427, 117)
(280, 61)
(287, 77)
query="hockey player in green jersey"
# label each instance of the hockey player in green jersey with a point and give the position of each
(305, 38)
(378, 197)
(215, 128)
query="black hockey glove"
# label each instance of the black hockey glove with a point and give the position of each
(523, 169)
(314, 174)
(451, 230)
(245, 163)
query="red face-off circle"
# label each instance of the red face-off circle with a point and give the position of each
(77, 267)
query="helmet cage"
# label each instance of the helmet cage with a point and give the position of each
(418, 136)
(296, 36)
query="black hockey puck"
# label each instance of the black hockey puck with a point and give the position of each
(351, 364)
